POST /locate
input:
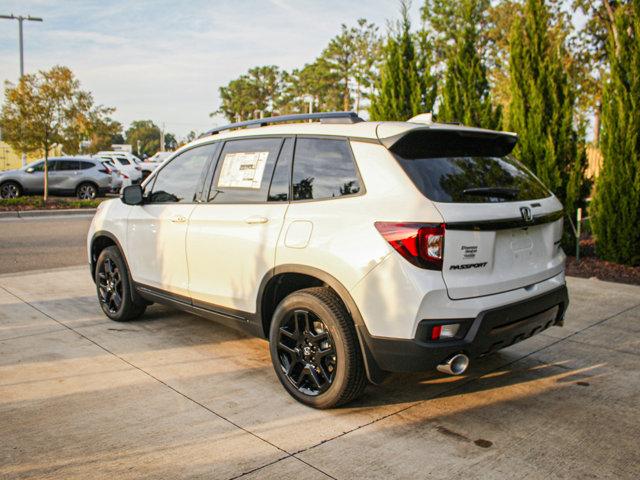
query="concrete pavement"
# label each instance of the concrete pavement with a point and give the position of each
(32, 243)
(176, 396)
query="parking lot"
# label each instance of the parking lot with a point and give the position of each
(176, 396)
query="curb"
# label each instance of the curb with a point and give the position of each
(47, 213)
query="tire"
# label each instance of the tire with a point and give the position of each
(314, 349)
(86, 191)
(113, 287)
(10, 190)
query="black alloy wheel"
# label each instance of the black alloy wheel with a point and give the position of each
(114, 287)
(110, 288)
(314, 349)
(306, 352)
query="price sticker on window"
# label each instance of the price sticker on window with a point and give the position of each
(242, 170)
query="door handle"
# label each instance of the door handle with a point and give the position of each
(179, 219)
(256, 219)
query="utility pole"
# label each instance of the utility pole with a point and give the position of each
(309, 99)
(162, 138)
(21, 19)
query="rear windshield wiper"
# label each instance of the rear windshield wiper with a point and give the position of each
(501, 192)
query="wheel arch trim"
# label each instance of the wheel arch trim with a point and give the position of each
(374, 373)
(104, 233)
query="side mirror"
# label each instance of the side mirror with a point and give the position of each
(30, 170)
(132, 195)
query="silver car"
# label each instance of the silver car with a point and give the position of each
(85, 178)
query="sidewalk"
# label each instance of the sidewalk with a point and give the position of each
(176, 396)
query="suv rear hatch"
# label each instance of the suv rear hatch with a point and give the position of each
(503, 227)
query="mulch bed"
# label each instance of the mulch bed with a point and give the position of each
(591, 266)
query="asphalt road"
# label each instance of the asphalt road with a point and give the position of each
(42, 243)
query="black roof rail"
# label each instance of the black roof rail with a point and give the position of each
(324, 117)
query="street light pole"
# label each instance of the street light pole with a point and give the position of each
(21, 19)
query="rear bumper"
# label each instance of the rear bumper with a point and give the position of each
(490, 331)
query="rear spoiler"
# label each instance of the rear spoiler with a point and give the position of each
(441, 140)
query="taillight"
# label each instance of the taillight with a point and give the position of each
(126, 177)
(422, 245)
(104, 170)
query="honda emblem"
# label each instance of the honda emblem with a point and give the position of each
(527, 216)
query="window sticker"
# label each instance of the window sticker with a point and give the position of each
(243, 170)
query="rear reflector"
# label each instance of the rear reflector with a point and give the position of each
(444, 332)
(421, 244)
(435, 332)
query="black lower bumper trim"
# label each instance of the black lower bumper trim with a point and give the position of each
(490, 331)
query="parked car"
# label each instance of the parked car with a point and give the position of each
(117, 177)
(124, 164)
(150, 164)
(356, 248)
(159, 157)
(83, 177)
(123, 176)
(128, 155)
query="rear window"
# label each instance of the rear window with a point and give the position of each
(124, 161)
(461, 167)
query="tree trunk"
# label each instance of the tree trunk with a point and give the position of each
(612, 22)
(46, 174)
(596, 124)
(346, 103)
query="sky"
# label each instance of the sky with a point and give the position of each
(165, 60)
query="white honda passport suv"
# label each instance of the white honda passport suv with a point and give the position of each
(356, 248)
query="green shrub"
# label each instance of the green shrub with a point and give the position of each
(37, 203)
(616, 205)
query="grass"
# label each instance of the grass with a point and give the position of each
(53, 203)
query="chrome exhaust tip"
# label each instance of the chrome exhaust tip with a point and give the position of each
(455, 365)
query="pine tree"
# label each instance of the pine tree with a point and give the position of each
(466, 94)
(543, 103)
(402, 89)
(616, 206)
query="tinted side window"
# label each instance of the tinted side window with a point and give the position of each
(323, 168)
(65, 165)
(279, 190)
(86, 165)
(244, 170)
(178, 181)
(39, 167)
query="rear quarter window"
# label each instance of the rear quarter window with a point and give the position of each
(323, 169)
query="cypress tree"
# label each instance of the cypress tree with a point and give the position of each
(402, 89)
(466, 95)
(616, 206)
(542, 105)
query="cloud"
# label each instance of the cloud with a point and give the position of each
(165, 60)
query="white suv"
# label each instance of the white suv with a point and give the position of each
(356, 248)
